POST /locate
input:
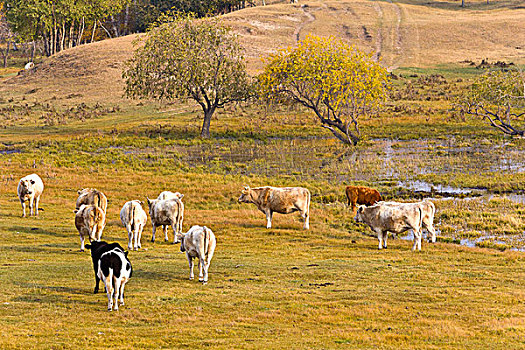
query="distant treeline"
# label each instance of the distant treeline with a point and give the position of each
(54, 25)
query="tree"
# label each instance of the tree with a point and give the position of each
(58, 23)
(189, 59)
(497, 96)
(6, 36)
(337, 82)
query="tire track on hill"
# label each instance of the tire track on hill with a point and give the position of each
(310, 18)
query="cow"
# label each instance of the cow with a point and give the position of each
(97, 249)
(92, 196)
(114, 269)
(134, 218)
(282, 200)
(30, 189)
(199, 242)
(90, 221)
(361, 195)
(384, 217)
(164, 213)
(170, 195)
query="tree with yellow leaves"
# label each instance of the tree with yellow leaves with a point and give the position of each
(339, 83)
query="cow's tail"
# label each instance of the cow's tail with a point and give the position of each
(206, 244)
(420, 221)
(131, 217)
(308, 203)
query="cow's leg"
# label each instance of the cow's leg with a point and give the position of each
(306, 218)
(380, 238)
(165, 229)
(385, 237)
(122, 292)
(31, 205)
(175, 238)
(36, 205)
(130, 237)
(135, 237)
(201, 268)
(23, 207)
(116, 293)
(109, 289)
(432, 231)
(141, 228)
(97, 280)
(190, 261)
(417, 240)
(269, 215)
(82, 242)
(153, 236)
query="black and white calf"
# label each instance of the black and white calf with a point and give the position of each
(97, 249)
(114, 269)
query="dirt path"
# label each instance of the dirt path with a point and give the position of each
(309, 19)
(394, 28)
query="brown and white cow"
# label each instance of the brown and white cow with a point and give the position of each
(134, 218)
(199, 242)
(30, 189)
(362, 195)
(178, 196)
(282, 200)
(164, 213)
(395, 217)
(92, 196)
(90, 221)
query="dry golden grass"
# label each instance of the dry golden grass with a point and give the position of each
(402, 34)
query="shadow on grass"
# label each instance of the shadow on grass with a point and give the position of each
(36, 230)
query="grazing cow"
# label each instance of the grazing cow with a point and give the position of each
(164, 213)
(90, 221)
(134, 219)
(177, 195)
(97, 249)
(92, 196)
(114, 269)
(30, 189)
(199, 242)
(394, 217)
(362, 195)
(283, 200)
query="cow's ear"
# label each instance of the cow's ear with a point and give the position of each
(246, 188)
(88, 246)
(181, 196)
(126, 254)
(79, 191)
(75, 211)
(149, 201)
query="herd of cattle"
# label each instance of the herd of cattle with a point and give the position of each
(111, 263)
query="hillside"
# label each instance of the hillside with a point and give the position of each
(403, 34)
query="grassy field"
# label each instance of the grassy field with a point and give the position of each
(284, 287)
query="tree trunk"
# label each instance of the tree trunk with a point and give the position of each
(33, 49)
(208, 113)
(126, 21)
(462, 3)
(94, 30)
(6, 54)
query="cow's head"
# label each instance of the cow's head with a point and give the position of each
(180, 238)
(246, 195)
(95, 245)
(359, 215)
(27, 186)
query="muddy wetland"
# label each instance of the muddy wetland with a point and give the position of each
(475, 185)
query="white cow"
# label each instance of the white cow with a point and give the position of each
(282, 200)
(199, 242)
(165, 213)
(134, 218)
(30, 189)
(384, 217)
(178, 196)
